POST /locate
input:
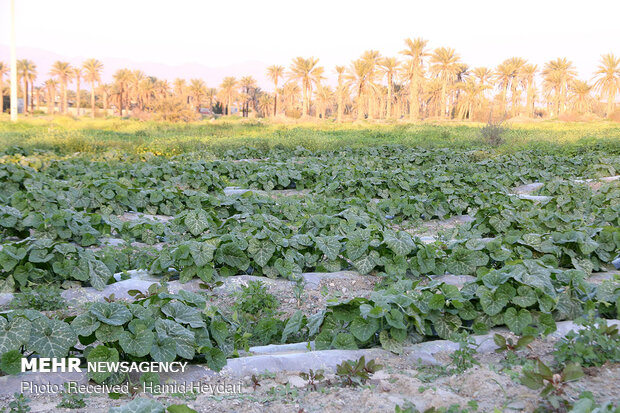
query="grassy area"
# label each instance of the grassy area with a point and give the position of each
(68, 135)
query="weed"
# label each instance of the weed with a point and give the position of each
(298, 291)
(41, 298)
(552, 384)
(595, 344)
(492, 133)
(256, 300)
(19, 404)
(313, 377)
(356, 373)
(71, 401)
(463, 358)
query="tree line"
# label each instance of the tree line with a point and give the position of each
(419, 83)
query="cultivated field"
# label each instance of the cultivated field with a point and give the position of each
(274, 257)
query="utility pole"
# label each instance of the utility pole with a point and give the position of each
(13, 66)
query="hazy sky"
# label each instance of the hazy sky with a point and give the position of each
(224, 33)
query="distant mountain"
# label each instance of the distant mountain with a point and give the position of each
(212, 75)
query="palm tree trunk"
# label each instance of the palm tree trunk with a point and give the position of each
(444, 101)
(25, 92)
(414, 104)
(77, 94)
(92, 99)
(120, 101)
(304, 102)
(50, 102)
(275, 99)
(1, 95)
(610, 102)
(64, 97)
(562, 107)
(530, 99)
(388, 110)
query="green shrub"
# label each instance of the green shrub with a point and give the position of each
(594, 345)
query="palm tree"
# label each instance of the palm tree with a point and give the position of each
(248, 86)
(562, 72)
(27, 72)
(389, 66)
(122, 79)
(106, 92)
(517, 64)
(360, 75)
(4, 69)
(529, 72)
(608, 82)
(197, 89)
(373, 58)
(264, 104)
(324, 96)
(470, 98)
(414, 71)
(92, 74)
(210, 96)
(77, 74)
(63, 71)
(341, 91)
(483, 75)
(229, 90)
(305, 71)
(581, 100)
(444, 65)
(290, 95)
(50, 86)
(504, 75)
(147, 88)
(275, 73)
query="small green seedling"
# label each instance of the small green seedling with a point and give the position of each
(356, 373)
(550, 382)
(507, 344)
(313, 377)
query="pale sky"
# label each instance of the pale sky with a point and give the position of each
(257, 33)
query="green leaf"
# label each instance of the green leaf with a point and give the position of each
(364, 329)
(99, 274)
(202, 253)
(314, 322)
(85, 324)
(293, 325)
(107, 333)
(517, 321)
(328, 245)
(389, 343)
(184, 314)
(215, 358)
(261, 250)
(51, 338)
(572, 371)
(14, 333)
(230, 254)
(114, 314)
(101, 354)
(138, 345)
(183, 338)
(11, 362)
(196, 221)
(399, 242)
(344, 341)
(366, 263)
(164, 350)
